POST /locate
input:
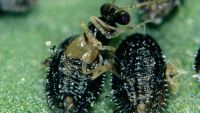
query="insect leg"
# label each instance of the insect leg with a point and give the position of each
(87, 71)
(100, 70)
(103, 27)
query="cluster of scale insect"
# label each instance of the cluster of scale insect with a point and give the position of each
(17, 6)
(158, 11)
(65, 79)
(68, 89)
(141, 66)
(141, 72)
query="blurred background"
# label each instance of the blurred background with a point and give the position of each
(23, 49)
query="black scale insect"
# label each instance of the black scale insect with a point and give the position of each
(197, 62)
(141, 85)
(68, 89)
(16, 6)
(158, 11)
(197, 65)
(74, 76)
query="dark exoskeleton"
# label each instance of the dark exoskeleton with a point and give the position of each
(68, 90)
(197, 62)
(74, 77)
(140, 86)
(16, 6)
(157, 12)
(69, 87)
(197, 66)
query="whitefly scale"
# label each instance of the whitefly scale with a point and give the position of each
(139, 84)
(157, 12)
(197, 65)
(16, 6)
(68, 90)
(197, 61)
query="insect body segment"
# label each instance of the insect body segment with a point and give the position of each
(79, 48)
(113, 13)
(141, 87)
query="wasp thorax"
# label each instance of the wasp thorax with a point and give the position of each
(107, 10)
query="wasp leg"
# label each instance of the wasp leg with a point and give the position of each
(100, 60)
(97, 71)
(103, 27)
(100, 70)
(91, 38)
(89, 35)
(104, 68)
(87, 71)
(129, 28)
(84, 68)
(93, 41)
(109, 48)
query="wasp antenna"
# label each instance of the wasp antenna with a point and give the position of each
(84, 27)
(134, 27)
(87, 32)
